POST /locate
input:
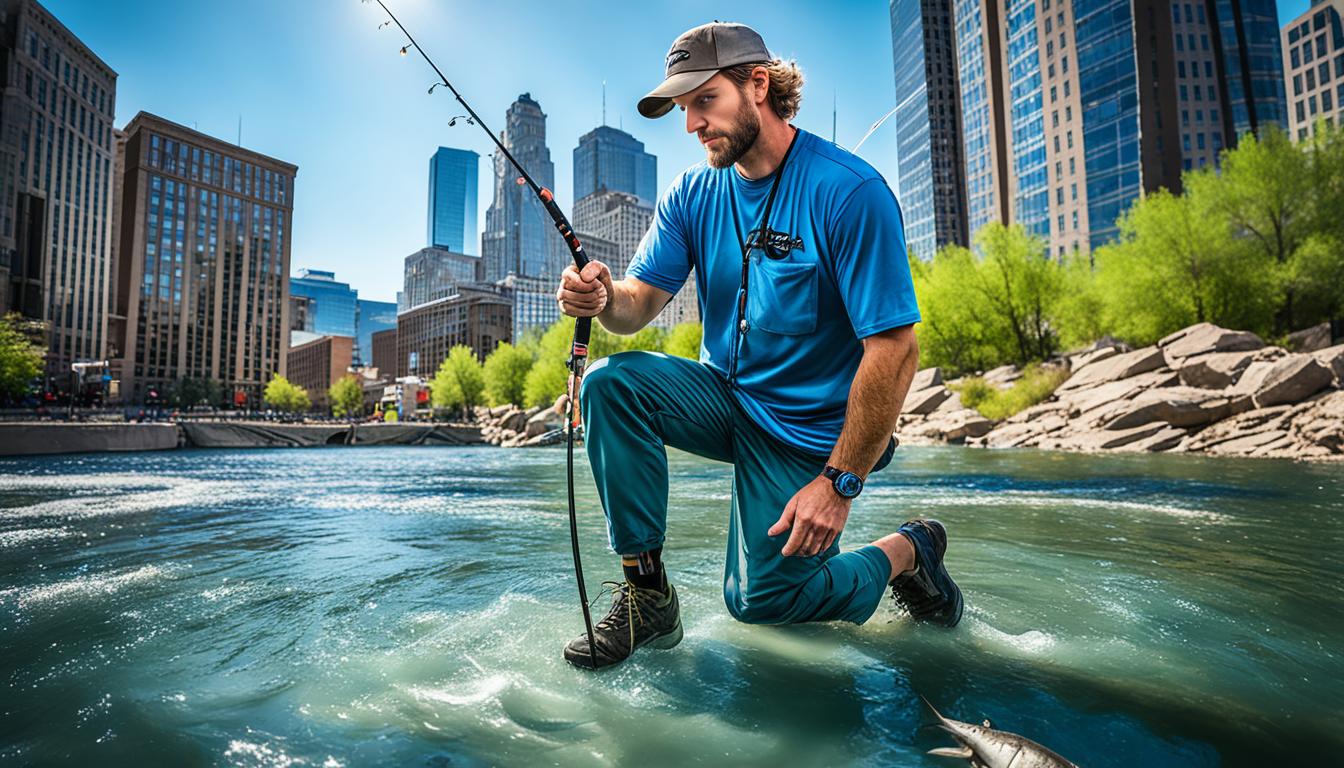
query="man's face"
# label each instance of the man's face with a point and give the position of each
(723, 118)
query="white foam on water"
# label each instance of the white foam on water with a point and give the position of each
(82, 587)
(1033, 642)
(30, 535)
(1044, 499)
(474, 694)
(128, 494)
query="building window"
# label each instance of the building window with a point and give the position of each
(1054, 118)
(1199, 140)
(1075, 220)
(1323, 72)
(1180, 68)
(1307, 55)
(1185, 95)
(1311, 80)
(1320, 45)
(1060, 228)
(1326, 106)
(1311, 104)
(1071, 166)
(1208, 69)
(1297, 85)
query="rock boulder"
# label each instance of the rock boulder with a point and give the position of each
(925, 401)
(929, 377)
(1204, 338)
(1215, 370)
(1292, 379)
(1177, 406)
(1114, 368)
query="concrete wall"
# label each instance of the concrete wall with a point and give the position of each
(48, 438)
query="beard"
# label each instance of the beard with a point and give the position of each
(737, 141)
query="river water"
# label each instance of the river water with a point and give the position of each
(407, 606)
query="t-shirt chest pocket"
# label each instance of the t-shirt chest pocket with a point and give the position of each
(782, 296)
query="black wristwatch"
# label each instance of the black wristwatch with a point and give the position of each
(847, 484)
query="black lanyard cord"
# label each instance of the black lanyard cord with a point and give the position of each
(763, 239)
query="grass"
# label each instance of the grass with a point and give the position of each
(1036, 385)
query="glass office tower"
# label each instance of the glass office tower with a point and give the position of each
(452, 200)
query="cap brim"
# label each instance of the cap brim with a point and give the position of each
(659, 100)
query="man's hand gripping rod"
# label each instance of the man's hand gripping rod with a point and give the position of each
(578, 352)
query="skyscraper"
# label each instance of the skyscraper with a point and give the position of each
(980, 75)
(371, 317)
(433, 273)
(58, 153)
(333, 303)
(609, 159)
(1247, 39)
(1073, 110)
(619, 217)
(519, 237)
(1313, 52)
(203, 262)
(452, 200)
(932, 183)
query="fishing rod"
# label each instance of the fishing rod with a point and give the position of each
(578, 350)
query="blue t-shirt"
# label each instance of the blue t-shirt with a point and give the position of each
(844, 276)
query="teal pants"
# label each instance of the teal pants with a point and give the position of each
(635, 404)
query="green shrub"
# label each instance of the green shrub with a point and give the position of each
(1037, 384)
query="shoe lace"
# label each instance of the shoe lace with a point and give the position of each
(623, 595)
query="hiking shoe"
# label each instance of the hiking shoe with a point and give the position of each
(927, 592)
(638, 617)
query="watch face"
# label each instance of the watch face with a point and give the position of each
(849, 485)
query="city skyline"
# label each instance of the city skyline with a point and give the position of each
(331, 80)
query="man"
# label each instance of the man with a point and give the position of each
(808, 311)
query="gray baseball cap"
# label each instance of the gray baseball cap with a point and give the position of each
(697, 56)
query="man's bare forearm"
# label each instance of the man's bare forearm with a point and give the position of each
(876, 395)
(624, 313)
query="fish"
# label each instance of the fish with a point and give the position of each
(986, 747)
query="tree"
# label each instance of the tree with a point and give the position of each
(545, 382)
(286, 397)
(956, 333)
(189, 392)
(20, 358)
(648, 339)
(214, 392)
(1177, 263)
(505, 374)
(1019, 284)
(347, 397)
(1260, 191)
(459, 381)
(684, 340)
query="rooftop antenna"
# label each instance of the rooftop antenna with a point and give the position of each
(604, 102)
(240, 129)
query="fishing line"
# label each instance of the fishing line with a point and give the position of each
(578, 350)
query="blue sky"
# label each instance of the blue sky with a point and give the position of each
(318, 84)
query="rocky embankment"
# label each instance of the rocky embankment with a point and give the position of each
(1203, 389)
(511, 427)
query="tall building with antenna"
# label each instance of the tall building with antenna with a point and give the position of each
(519, 238)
